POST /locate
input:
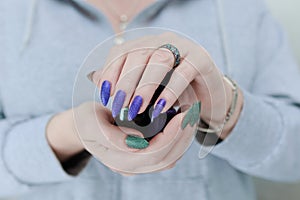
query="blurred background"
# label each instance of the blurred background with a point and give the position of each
(287, 14)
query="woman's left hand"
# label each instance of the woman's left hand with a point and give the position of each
(137, 67)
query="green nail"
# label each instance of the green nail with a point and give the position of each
(196, 113)
(187, 118)
(136, 142)
(123, 114)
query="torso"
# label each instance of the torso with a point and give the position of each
(114, 9)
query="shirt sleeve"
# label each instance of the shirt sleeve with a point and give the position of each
(266, 139)
(26, 159)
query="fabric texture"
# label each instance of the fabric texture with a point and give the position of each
(37, 82)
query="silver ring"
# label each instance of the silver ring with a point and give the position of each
(174, 51)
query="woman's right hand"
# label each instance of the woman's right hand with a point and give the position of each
(107, 142)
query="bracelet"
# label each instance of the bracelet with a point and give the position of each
(230, 112)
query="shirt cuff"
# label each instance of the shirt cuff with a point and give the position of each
(256, 134)
(28, 155)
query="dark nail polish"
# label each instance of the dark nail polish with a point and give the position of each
(90, 76)
(118, 103)
(158, 108)
(105, 92)
(136, 142)
(171, 111)
(135, 107)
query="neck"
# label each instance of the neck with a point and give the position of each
(114, 9)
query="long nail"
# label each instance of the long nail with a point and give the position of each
(90, 76)
(124, 114)
(187, 118)
(158, 108)
(135, 107)
(105, 92)
(136, 142)
(171, 111)
(196, 113)
(118, 103)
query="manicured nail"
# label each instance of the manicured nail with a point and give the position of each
(192, 116)
(118, 103)
(171, 111)
(105, 92)
(136, 142)
(158, 108)
(196, 113)
(90, 76)
(124, 114)
(135, 107)
(187, 118)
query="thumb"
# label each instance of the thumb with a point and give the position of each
(95, 76)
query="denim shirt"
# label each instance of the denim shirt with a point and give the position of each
(44, 42)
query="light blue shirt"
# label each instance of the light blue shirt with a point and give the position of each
(54, 38)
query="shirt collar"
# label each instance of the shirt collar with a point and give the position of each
(148, 13)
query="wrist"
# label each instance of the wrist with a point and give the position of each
(227, 118)
(62, 137)
(234, 118)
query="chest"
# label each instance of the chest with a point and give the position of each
(41, 80)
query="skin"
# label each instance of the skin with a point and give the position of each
(195, 79)
(122, 7)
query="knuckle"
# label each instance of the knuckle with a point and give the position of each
(169, 95)
(185, 74)
(163, 55)
(139, 53)
(146, 88)
(126, 81)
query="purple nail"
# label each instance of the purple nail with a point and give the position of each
(171, 111)
(105, 92)
(158, 108)
(135, 107)
(118, 103)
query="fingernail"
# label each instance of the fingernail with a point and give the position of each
(158, 108)
(90, 76)
(118, 103)
(136, 142)
(124, 114)
(196, 113)
(187, 118)
(135, 107)
(105, 92)
(171, 111)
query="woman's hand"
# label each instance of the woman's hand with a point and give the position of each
(107, 142)
(134, 70)
(90, 126)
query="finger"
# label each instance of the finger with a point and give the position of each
(183, 75)
(117, 137)
(108, 135)
(188, 97)
(146, 160)
(111, 70)
(132, 71)
(159, 65)
(161, 158)
(165, 139)
(182, 145)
